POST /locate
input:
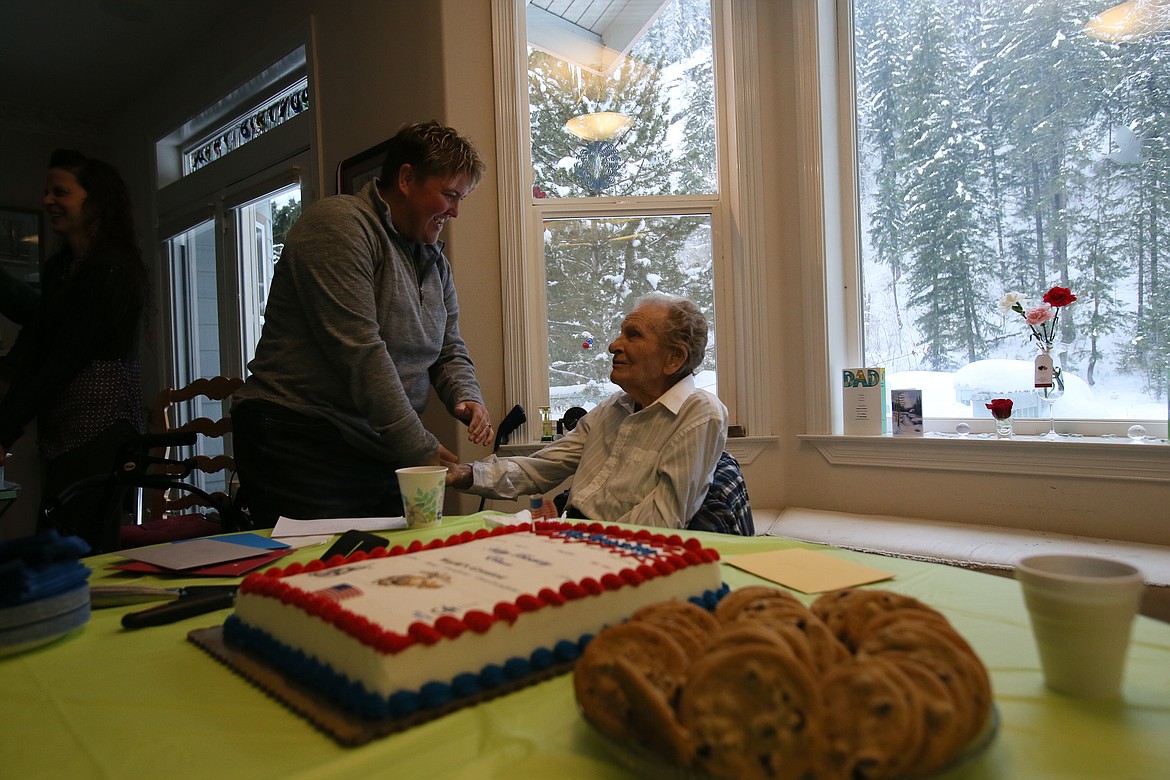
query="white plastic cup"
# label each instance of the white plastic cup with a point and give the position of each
(422, 489)
(1081, 609)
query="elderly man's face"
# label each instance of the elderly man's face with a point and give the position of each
(642, 365)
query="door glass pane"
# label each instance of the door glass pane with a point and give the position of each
(1002, 148)
(196, 331)
(621, 106)
(595, 268)
(263, 225)
(195, 303)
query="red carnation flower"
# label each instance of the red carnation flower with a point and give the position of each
(1059, 296)
(1001, 408)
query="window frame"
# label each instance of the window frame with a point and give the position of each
(283, 155)
(737, 218)
(831, 258)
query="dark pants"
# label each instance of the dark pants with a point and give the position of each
(301, 467)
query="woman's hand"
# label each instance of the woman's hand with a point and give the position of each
(478, 421)
(447, 458)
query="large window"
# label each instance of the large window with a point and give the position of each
(594, 266)
(261, 228)
(1012, 147)
(622, 111)
(621, 187)
(232, 178)
(274, 111)
(219, 290)
(215, 324)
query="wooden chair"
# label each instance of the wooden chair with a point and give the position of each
(182, 467)
(196, 408)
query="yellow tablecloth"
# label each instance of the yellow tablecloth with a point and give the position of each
(109, 703)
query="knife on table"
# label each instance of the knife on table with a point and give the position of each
(183, 607)
(101, 596)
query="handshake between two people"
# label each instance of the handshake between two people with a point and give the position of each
(479, 431)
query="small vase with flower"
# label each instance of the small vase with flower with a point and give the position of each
(1001, 410)
(1041, 320)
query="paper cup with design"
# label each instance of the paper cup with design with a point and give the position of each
(1081, 608)
(422, 489)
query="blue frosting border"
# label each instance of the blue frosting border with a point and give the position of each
(354, 696)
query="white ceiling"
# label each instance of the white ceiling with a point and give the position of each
(592, 33)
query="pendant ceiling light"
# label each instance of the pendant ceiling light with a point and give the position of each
(1131, 20)
(599, 126)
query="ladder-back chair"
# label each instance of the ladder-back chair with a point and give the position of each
(185, 479)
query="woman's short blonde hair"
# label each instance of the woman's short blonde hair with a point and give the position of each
(431, 149)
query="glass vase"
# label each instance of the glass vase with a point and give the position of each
(1049, 384)
(1003, 427)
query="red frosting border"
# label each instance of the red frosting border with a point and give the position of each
(268, 584)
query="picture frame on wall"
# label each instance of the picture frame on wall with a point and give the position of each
(21, 244)
(354, 172)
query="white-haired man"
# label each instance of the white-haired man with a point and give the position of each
(645, 455)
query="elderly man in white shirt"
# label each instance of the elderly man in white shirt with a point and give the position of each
(645, 455)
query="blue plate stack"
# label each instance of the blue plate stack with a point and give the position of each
(44, 590)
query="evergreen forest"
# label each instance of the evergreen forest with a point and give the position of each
(1002, 148)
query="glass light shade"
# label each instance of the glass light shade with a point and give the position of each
(600, 126)
(1130, 20)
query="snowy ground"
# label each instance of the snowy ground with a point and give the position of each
(964, 393)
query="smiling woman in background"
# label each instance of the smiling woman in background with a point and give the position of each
(74, 368)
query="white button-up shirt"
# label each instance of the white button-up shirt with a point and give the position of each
(649, 466)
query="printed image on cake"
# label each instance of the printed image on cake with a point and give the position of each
(390, 633)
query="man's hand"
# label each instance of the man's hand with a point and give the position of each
(459, 476)
(478, 421)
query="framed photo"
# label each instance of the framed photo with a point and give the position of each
(20, 243)
(354, 172)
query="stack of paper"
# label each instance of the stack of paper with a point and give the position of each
(221, 556)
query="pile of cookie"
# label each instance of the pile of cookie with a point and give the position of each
(861, 684)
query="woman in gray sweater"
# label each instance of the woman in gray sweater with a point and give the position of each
(362, 319)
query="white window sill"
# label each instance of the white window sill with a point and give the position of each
(1087, 456)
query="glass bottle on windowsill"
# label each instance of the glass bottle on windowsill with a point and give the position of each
(1049, 384)
(546, 423)
(1001, 411)
(1003, 427)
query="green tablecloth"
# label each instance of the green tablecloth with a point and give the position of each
(106, 702)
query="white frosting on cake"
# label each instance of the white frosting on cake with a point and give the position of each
(398, 592)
